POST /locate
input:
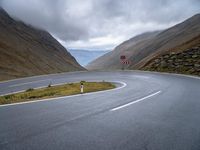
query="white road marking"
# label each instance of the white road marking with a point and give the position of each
(55, 98)
(45, 75)
(28, 83)
(22, 91)
(40, 87)
(165, 73)
(139, 100)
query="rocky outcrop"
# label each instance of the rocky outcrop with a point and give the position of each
(185, 62)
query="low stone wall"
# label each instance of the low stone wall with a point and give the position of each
(186, 62)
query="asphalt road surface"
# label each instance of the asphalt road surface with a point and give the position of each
(148, 111)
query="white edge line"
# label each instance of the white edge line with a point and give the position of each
(139, 100)
(164, 73)
(184, 75)
(62, 84)
(24, 90)
(49, 99)
(28, 83)
(44, 75)
(40, 87)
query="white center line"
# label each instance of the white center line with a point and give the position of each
(139, 100)
(27, 83)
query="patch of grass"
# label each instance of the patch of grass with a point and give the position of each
(55, 91)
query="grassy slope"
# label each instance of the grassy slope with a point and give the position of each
(55, 91)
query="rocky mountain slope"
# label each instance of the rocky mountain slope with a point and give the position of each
(185, 59)
(27, 51)
(111, 60)
(153, 44)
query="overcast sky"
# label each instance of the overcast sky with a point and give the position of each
(100, 24)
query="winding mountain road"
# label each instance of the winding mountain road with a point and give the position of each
(148, 111)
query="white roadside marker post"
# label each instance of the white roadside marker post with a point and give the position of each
(82, 88)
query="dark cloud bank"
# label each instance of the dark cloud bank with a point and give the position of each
(100, 23)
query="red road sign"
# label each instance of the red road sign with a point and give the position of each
(122, 57)
(126, 62)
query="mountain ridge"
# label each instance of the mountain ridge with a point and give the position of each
(27, 51)
(139, 51)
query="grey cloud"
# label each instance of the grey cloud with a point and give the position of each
(160, 11)
(48, 15)
(82, 20)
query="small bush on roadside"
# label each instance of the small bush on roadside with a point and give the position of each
(8, 96)
(83, 82)
(49, 85)
(30, 89)
(32, 97)
(3, 100)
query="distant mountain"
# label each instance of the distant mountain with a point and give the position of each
(139, 52)
(27, 51)
(112, 61)
(86, 56)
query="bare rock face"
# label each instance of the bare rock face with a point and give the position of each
(185, 62)
(27, 51)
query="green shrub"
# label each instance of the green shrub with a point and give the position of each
(29, 90)
(32, 97)
(82, 82)
(8, 96)
(49, 85)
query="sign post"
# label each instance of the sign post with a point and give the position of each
(123, 58)
(124, 61)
